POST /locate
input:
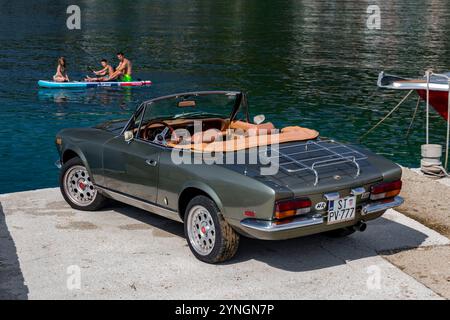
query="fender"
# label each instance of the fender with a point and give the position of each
(206, 189)
(77, 150)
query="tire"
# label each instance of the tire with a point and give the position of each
(340, 233)
(77, 188)
(210, 238)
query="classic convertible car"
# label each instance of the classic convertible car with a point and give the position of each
(311, 184)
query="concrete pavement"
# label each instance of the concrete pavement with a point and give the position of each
(48, 250)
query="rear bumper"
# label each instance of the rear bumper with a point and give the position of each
(381, 206)
(302, 226)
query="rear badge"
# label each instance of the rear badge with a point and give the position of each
(321, 206)
(365, 195)
(337, 177)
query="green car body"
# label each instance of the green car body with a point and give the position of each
(143, 174)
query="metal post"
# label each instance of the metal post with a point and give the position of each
(448, 126)
(428, 73)
(445, 76)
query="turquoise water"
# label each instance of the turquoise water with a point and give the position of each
(311, 63)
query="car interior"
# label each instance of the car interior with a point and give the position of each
(217, 133)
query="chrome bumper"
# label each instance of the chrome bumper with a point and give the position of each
(58, 164)
(271, 226)
(381, 205)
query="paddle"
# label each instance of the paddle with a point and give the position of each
(93, 71)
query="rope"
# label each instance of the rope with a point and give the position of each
(413, 118)
(386, 116)
(432, 169)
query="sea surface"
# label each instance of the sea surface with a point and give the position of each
(312, 63)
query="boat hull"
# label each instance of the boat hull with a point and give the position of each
(438, 100)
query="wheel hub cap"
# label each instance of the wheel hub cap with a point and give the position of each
(82, 185)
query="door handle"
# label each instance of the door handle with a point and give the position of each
(151, 162)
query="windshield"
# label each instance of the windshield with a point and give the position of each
(197, 106)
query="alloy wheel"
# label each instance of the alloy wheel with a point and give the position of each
(201, 230)
(78, 186)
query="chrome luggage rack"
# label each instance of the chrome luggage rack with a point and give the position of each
(315, 154)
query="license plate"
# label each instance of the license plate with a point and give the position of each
(341, 210)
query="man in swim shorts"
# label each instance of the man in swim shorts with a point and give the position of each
(123, 71)
(104, 74)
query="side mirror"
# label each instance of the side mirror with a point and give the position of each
(128, 136)
(259, 119)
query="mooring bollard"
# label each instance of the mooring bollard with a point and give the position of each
(431, 159)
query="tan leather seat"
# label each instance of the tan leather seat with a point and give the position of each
(207, 136)
(267, 127)
(288, 134)
(292, 129)
(212, 135)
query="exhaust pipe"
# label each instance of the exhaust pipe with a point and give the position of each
(360, 226)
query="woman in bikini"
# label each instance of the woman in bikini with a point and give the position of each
(61, 71)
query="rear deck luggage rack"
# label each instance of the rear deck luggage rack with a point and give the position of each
(312, 155)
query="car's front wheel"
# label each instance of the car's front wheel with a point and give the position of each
(77, 187)
(210, 238)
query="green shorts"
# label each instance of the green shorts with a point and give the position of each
(126, 78)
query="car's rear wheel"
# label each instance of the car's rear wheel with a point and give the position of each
(77, 187)
(210, 238)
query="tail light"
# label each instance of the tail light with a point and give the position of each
(290, 208)
(386, 190)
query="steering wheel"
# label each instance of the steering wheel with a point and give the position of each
(160, 137)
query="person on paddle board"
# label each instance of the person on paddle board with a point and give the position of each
(123, 70)
(61, 71)
(104, 74)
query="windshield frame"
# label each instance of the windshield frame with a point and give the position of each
(241, 101)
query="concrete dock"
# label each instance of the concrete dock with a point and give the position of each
(50, 251)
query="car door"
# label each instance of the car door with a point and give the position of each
(131, 168)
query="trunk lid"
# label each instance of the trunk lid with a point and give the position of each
(321, 166)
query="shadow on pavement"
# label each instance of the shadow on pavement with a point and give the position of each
(154, 220)
(307, 253)
(320, 251)
(12, 283)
